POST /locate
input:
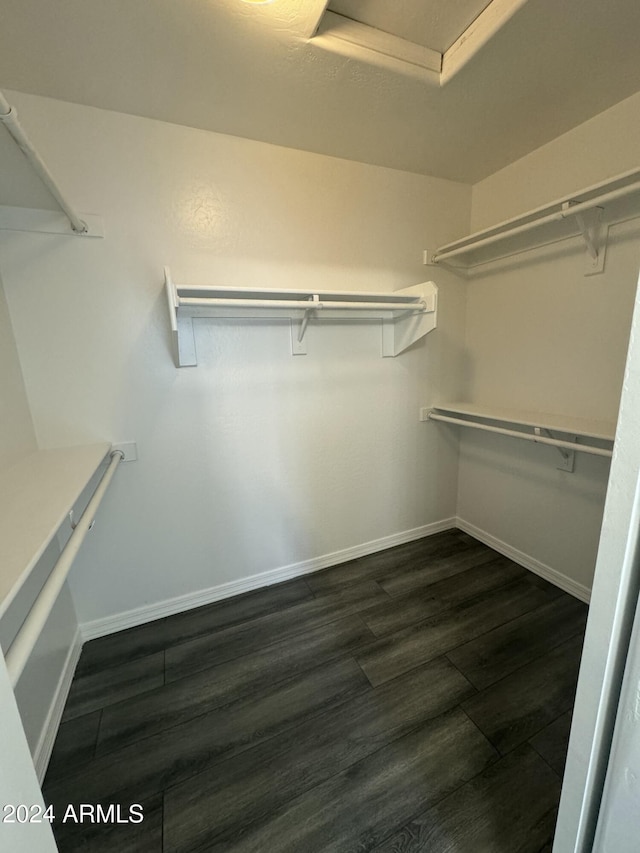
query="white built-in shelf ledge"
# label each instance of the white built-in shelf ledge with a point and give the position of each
(568, 434)
(36, 495)
(406, 315)
(587, 213)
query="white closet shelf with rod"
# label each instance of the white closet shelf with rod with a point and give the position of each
(47, 221)
(407, 315)
(539, 427)
(38, 494)
(582, 213)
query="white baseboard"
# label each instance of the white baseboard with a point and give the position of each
(141, 615)
(552, 575)
(44, 747)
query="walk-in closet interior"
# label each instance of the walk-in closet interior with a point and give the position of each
(318, 376)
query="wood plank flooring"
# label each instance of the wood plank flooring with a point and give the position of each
(418, 699)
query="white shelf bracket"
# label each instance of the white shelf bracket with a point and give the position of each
(594, 233)
(568, 456)
(399, 334)
(298, 347)
(183, 339)
(298, 342)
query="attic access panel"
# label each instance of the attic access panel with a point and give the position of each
(431, 39)
(430, 23)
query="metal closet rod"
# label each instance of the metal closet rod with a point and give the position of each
(9, 119)
(568, 211)
(26, 638)
(539, 439)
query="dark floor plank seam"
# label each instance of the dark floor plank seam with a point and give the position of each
(453, 606)
(303, 629)
(307, 717)
(419, 665)
(385, 745)
(470, 640)
(330, 620)
(519, 668)
(303, 791)
(284, 679)
(95, 743)
(528, 742)
(435, 803)
(184, 614)
(499, 755)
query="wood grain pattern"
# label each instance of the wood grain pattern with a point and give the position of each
(357, 808)
(519, 706)
(393, 561)
(279, 721)
(496, 654)
(88, 837)
(113, 684)
(419, 605)
(399, 652)
(143, 640)
(252, 674)
(220, 804)
(552, 742)
(232, 643)
(75, 745)
(424, 573)
(509, 807)
(154, 763)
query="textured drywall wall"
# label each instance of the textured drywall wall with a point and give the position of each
(253, 460)
(542, 336)
(605, 146)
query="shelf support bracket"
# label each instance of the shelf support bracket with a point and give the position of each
(298, 347)
(594, 233)
(568, 456)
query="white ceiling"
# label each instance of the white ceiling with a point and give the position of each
(247, 69)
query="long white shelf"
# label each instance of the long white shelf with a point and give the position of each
(581, 213)
(539, 427)
(407, 315)
(587, 428)
(36, 495)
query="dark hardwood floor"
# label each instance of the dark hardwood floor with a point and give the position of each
(418, 699)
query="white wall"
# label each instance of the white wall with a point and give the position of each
(543, 337)
(604, 146)
(254, 460)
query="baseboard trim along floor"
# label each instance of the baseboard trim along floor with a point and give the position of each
(527, 562)
(157, 610)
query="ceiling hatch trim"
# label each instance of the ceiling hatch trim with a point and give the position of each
(355, 40)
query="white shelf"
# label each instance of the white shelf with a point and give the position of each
(407, 315)
(581, 213)
(586, 428)
(36, 495)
